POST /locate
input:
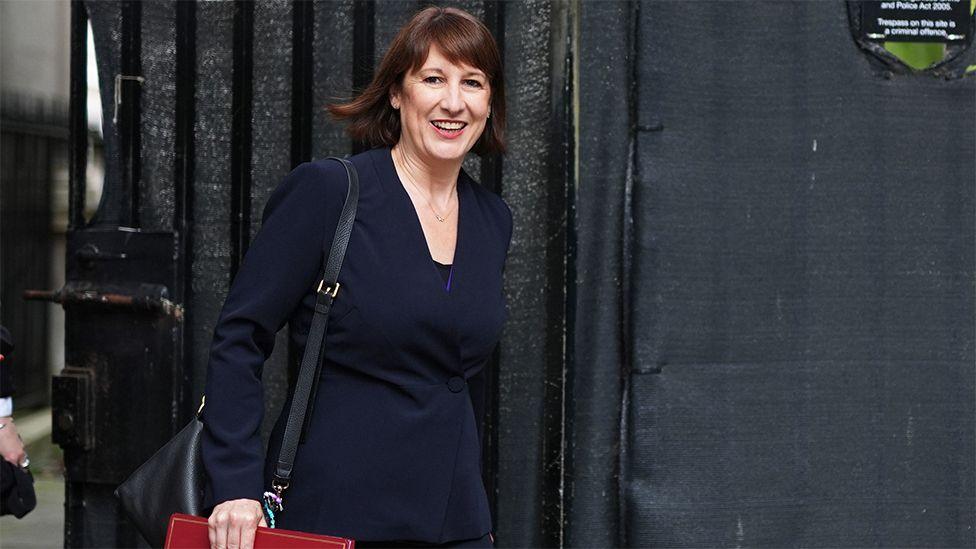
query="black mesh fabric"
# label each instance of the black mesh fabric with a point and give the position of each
(212, 186)
(803, 265)
(271, 123)
(158, 100)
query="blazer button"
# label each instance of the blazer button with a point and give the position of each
(456, 384)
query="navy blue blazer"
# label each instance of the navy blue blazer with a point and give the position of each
(393, 449)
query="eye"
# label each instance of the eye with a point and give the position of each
(432, 79)
(473, 83)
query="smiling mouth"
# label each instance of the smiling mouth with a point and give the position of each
(448, 128)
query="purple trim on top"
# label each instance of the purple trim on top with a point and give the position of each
(449, 278)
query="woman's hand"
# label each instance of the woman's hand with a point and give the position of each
(11, 445)
(233, 524)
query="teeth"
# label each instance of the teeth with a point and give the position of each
(449, 125)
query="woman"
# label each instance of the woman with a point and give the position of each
(393, 449)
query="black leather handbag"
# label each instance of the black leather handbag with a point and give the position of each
(173, 479)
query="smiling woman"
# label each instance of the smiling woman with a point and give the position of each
(392, 452)
(438, 94)
(460, 40)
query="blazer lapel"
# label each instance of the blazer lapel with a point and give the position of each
(415, 280)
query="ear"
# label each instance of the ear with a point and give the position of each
(395, 99)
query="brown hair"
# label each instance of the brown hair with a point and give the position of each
(462, 39)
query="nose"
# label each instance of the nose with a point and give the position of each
(451, 100)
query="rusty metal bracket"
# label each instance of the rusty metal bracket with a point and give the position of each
(84, 294)
(118, 92)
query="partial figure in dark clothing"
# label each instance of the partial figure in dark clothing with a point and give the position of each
(11, 446)
(16, 482)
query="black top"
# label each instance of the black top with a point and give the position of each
(444, 269)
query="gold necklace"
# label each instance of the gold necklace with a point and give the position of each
(437, 215)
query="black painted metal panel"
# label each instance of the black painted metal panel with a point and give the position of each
(242, 137)
(107, 17)
(184, 114)
(113, 403)
(78, 114)
(529, 419)
(91, 518)
(597, 334)
(128, 111)
(118, 292)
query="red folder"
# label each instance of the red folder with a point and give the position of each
(190, 532)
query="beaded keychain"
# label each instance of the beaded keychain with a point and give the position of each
(272, 503)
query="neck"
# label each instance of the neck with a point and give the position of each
(437, 179)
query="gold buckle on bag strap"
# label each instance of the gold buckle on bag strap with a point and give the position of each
(329, 289)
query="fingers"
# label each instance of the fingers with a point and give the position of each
(243, 524)
(234, 532)
(11, 445)
(21, 455)
(15, 456)
(247, 537)
(232, 524)
(217, 529)
(212, 531)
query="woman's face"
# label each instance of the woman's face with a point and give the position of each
(443, 108)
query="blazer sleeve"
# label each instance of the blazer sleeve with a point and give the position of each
(511, 227)
(281, 266)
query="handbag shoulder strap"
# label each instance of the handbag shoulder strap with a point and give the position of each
(328, 288)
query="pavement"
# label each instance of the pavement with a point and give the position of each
(44, 526)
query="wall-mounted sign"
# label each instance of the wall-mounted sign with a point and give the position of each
(945, 21)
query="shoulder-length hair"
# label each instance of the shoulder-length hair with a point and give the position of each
(463, 39)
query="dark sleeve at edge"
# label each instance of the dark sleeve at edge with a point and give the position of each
(6, 365)
(511, 227)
